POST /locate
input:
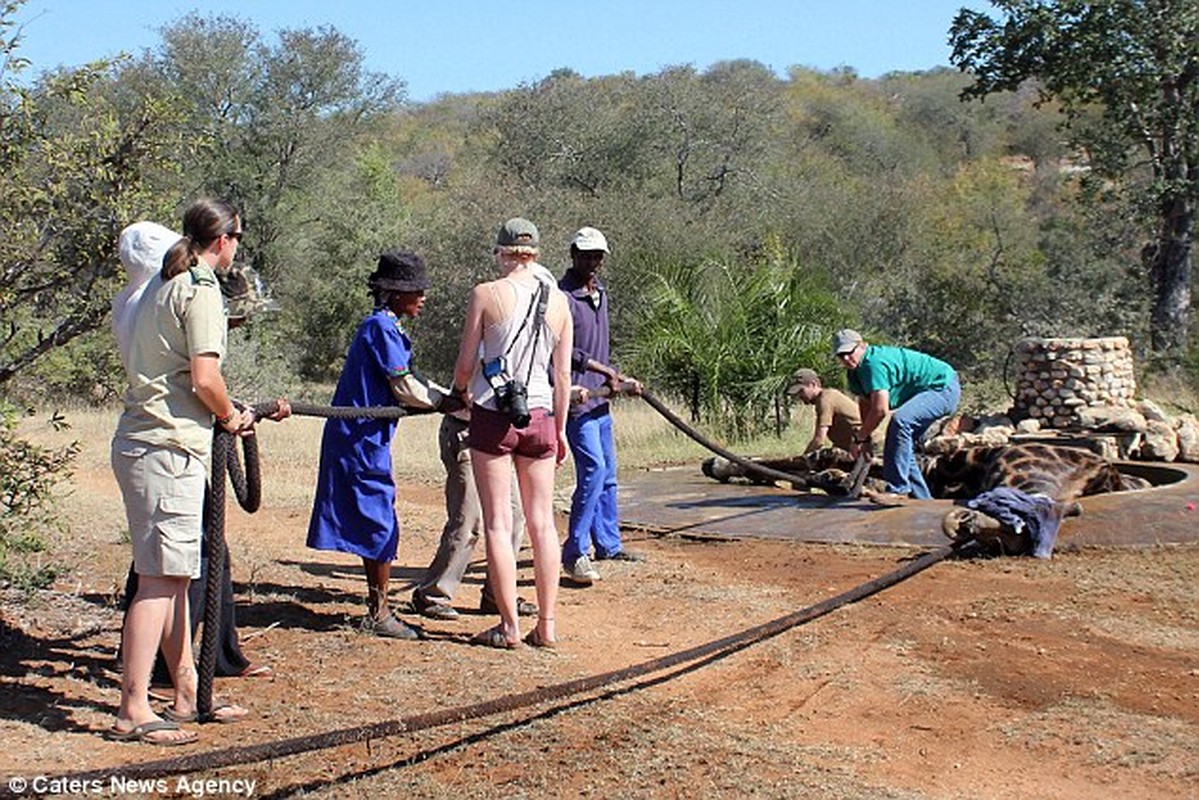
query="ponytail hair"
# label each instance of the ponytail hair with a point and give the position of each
(205, 221)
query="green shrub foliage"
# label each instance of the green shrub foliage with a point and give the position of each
(28, 476)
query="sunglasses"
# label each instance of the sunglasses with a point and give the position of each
(235, 235)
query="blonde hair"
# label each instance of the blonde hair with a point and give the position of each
(516, 250)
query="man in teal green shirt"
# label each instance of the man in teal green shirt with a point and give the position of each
(921, 389)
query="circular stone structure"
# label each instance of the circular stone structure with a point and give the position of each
(1056, 378)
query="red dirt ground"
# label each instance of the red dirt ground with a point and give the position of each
(1073, 678)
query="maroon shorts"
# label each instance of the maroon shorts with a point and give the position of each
(491, 432)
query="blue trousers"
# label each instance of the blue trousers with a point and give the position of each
(593, 516)
(908, 423)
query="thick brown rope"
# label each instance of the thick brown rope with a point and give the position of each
(705, 442)
(719, 648)
(301, 744)
(247, 488)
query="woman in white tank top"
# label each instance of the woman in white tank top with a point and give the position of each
(502, 326)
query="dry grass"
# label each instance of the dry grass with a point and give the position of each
(644, 439)
(1104, 735)
(290, 450)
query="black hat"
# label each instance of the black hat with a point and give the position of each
(400, 271)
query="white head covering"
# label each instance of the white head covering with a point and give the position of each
(142, 247)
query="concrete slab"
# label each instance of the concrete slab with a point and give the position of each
(681, 500)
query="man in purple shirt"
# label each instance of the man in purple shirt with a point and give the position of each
(593, 515)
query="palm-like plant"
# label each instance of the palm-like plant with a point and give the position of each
(725, 337)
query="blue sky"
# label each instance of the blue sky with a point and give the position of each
(439, 46)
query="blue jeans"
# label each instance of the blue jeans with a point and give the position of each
(593, 517)
(901, 471)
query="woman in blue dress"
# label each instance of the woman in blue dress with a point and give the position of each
(354, 510)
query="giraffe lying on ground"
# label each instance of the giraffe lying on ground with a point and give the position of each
(1060, 473)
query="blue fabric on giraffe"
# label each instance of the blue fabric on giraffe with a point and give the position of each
(1036, 516)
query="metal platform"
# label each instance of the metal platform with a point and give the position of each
(681, 500)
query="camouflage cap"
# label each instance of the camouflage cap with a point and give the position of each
(242, 292)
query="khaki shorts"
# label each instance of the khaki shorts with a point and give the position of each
(163, 488)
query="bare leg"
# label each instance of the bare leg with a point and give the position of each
(493, 477)
(180, 658)
(378, 576)
(151, 621)
(536, 478)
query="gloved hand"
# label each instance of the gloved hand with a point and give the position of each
(449, 403)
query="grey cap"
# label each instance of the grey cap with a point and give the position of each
(517, 232)
(845, 340)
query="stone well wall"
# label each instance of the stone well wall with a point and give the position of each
(1057, 378)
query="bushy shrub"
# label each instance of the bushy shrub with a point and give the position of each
(28, 517)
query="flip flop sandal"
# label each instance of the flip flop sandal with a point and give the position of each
(161, 693)
(142, 734)
(493, 637)
(533, 639)
(174, 716)
(257, 671)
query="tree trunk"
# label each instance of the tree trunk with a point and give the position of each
(1170, 268)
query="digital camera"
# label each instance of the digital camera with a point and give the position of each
(511, 396)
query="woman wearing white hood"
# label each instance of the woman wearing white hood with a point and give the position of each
(142, 246)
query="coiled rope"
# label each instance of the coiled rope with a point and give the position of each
(247, 488)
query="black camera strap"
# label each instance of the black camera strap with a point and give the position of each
(542, 301)
(536, 312)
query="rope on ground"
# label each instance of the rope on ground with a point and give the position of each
(727, 645)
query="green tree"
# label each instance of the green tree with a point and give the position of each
(271, 119)
(29, 474)
(74, 163)
(277, 127)
(1126, 73)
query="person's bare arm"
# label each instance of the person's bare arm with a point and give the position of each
(873, 408)
(468, 349)
(209, 386)
(819, 437)
(561, 368)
